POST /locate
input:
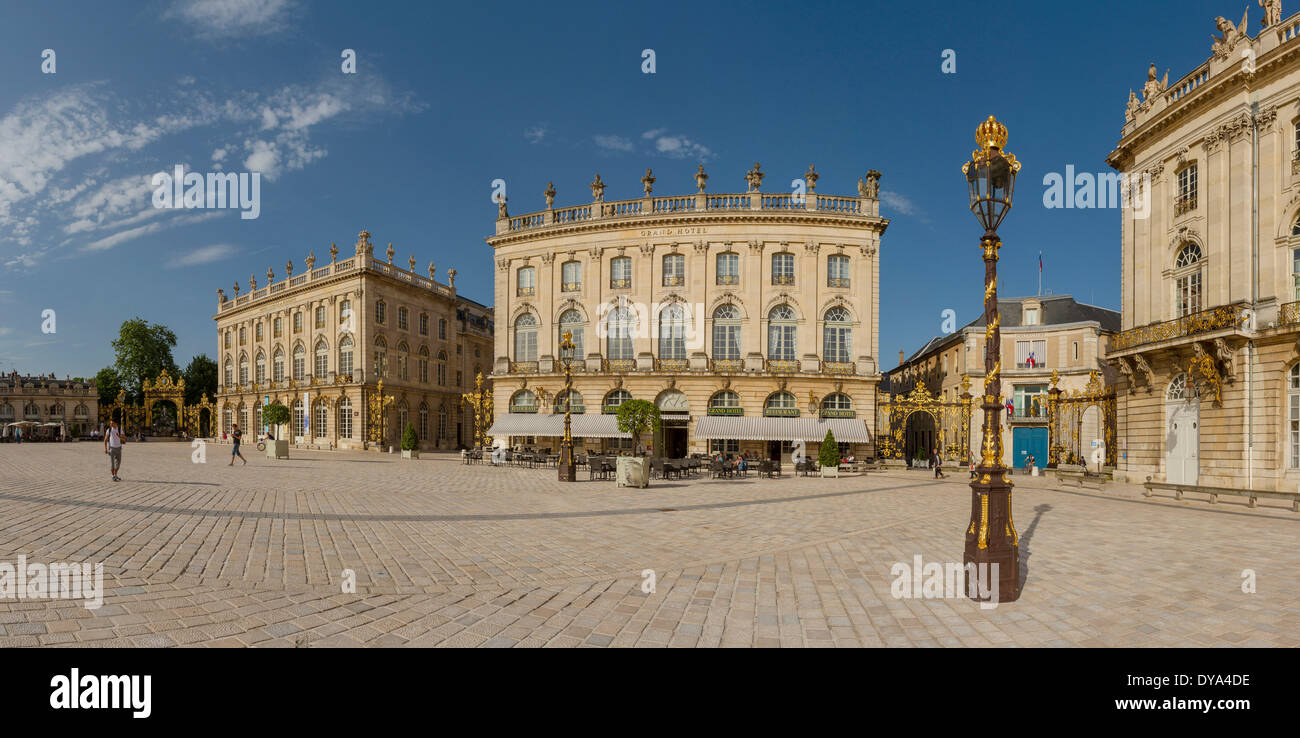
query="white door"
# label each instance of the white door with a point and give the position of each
(1182, 440)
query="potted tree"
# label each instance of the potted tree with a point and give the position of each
(636, 417)
(828, 457)
(275, 415)
(410, 443)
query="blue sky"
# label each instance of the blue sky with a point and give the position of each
(449, 97)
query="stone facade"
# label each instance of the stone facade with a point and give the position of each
(323, 340)
(1211, 243)
(1066, 339)
(747, 281)
(48, 400)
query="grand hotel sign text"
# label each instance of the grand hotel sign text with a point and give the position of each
(685, 231)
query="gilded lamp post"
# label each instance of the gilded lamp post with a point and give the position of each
(991, 537)
(568, 469)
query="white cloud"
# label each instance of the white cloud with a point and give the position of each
(613, 143)
(895, 201)
(535, 134)
(203, 255)
(232, 18)
(131, 234)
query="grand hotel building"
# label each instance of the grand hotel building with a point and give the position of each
(321, 342)
(1209, 354)
(750, 319)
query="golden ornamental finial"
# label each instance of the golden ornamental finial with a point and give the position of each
(991, 134)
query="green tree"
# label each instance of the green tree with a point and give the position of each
(829, 455)
(275, 414)
(410, 441)
(637, 417)
(200, 378)
(143, 352)
(108, 383)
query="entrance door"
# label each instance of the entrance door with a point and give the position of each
(1183, 440)
(1026, 441)
(1182, 431)
(674, 443)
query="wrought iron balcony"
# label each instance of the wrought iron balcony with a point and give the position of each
(839, 367)
(783, 365)
(672, 365)
(619, 365)
(727, 365)
(525, 291)
(1218, 318)
(783, 279)
(1035, 365)
(1289, 314)
(674, 281)
(523, 367)
(726, 279)
(1185, 204)
(571, 287)
(837, 282)
(620, 284)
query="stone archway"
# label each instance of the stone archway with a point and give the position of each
(164, 389)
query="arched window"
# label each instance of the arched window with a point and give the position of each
(726, 333)
(1293, 414)
(299, 362)
(345, 355)
(672, 332)
(837, 335)
(1187, 280)
(523, 401)
(31, 411)
(619, 325)
(674, 266)
(403, 416)
(345, 418)
(56, 411)
(6, 412)
(381, 357)
(837, 405)
(259, 370)
(781, 333)
(424, 420)
(299, 419)
(424, 366)
(442, 422)
(277, 365)
(575, 400)
(319, 428)
(403, 354)
(781, 404)
(614, 399)
(243, 368)
(1181, 388)
(230, 372)
(724, 402)
(526, 337)
(526, 282)
(322, 359)
(1295, 229)
(226, 419)
(571, 321)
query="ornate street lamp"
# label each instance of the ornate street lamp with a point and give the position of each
(991, 537)
(568, 469)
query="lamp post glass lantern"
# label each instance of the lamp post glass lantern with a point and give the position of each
(568, 468)
(991, 539)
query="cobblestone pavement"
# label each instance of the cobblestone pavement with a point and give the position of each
(450, 555)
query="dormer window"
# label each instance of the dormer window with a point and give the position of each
(1031, 316)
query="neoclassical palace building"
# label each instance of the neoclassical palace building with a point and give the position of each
(324, 341)
(750, 319)
(1208, 361)
(44, 400)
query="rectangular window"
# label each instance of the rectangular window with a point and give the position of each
(1031, 401)
(297, 322)
(320, 317)
(1031, 354)
(1295, 430)
(620, 273)
(380, 312)
(527, 286)
(1295, 273)
(259, 331)
(674, 270)
(724, 446)
(837, 271)
(571, 276)
(728, 268)
(1189, 294)
(1031, 316)
(424, 324)
(783, 269)
(402, 321)
(278, 330)
(1076, 350)
(1186, 190)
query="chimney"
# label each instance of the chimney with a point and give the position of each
(900, 357)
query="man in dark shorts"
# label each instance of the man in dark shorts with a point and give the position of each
(236, 435)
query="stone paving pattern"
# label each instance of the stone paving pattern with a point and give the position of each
(453, 555)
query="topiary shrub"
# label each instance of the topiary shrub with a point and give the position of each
(829, 456)
(637, 417)
(275, 414)
(410, 441)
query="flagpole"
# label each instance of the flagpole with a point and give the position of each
(1040, 274)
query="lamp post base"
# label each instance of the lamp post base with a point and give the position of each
(568, 472)
(991, 540)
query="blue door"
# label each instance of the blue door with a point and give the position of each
(1026, 441)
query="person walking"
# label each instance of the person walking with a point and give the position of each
(937, 461)
(113, 440)
(236, 435)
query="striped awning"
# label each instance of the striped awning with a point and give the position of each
(846, 430)
(539, 424)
